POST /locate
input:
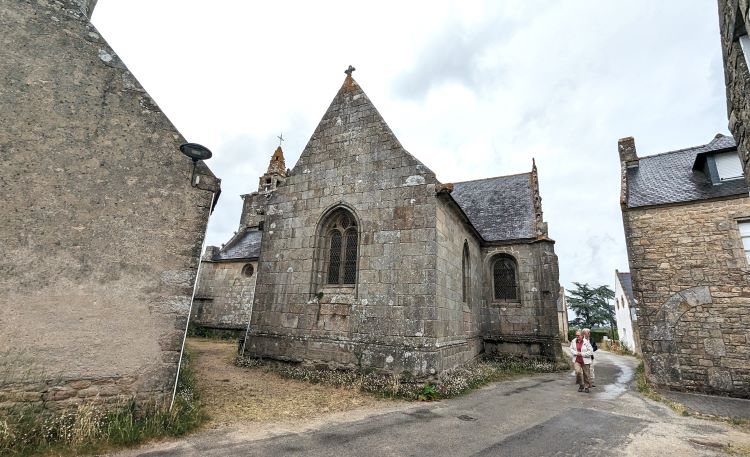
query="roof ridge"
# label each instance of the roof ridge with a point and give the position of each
(689, 148)
(352, 94)
(493, 177)
(234, 239)
(673, 152)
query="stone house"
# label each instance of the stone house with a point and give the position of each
(367, 260)
(101, 228)
(626, 312)
(735, 47)
(686, 215)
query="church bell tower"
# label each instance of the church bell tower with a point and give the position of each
(276, 173)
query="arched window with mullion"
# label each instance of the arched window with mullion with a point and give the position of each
(341, 239)
(504, 278)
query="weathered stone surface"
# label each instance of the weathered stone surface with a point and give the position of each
(733, 20)
(691, 282)
(225, 293)
(406, 309)
(101, 229)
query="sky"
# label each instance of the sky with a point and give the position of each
(473, 89)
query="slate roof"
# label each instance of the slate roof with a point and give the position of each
(627, 285)
(669, 177)
(245, 246)
(500, 208)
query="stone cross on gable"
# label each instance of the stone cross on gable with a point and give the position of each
(349, 70)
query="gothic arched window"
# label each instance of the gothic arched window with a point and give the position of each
(465, 274)
(341, 249)
(504, 278)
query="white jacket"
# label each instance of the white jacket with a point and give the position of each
(586, 351)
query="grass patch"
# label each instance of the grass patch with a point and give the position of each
(616, 347)
(448, 384)
(91, 427)
(741, 451)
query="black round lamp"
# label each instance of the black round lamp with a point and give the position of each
(196, 152)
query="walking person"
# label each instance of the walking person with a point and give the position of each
(587, 336)
(582, 352)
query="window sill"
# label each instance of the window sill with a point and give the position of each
(505, 304)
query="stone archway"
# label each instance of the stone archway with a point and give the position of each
(673, 328)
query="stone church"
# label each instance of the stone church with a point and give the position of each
(358, 256)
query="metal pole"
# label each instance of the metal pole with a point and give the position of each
(190, 311)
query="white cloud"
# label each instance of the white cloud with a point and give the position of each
(473, 89)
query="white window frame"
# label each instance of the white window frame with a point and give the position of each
(744, 230)
(728, 166)
(745, 45)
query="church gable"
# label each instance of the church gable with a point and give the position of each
(353, 137)
(366, 260)
(349, 242)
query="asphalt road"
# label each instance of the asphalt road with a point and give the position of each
(536, 416)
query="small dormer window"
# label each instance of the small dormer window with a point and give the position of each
(728, 166)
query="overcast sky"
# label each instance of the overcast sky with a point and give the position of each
(472, 89)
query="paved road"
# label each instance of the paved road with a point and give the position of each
(536, 416)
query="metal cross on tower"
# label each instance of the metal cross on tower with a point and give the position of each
(349, 70)
(281, 138)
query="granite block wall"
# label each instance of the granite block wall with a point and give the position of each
(527, 326)
(692, 284)
(458, 324)
(387, 318)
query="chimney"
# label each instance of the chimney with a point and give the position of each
(626, 148)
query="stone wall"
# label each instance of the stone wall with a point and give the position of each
(459, 321)
(389, 318)
(224, 295)
(101, 230)
(528, 326)
(692, 284)
(733, 20)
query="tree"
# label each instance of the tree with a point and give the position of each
(592, 306)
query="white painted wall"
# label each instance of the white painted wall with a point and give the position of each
(625, 315)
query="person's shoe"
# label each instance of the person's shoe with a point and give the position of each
(586, 390)
(580, 388)
(593, 385)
